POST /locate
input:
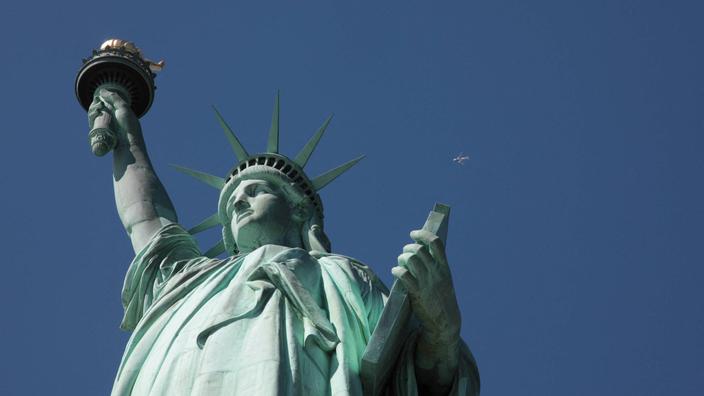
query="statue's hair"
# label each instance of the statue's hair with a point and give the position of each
(314, 237)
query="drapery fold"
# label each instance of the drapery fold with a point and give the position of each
(277, 321)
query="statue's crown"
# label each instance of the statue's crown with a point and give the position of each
(269, 162)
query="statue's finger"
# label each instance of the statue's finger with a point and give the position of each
(425, 256)
(109, 98)
(406, 278)
(114, 98)
(412, 248)
(403, 259)
(96, 104)
(422, 252)
(413, 263)
(433, 242)
(96, 101)
(424, 237)
(106, 103)
(94, 112)
(102, 94)
(92, 116)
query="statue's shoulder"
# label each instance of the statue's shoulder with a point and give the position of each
(361, 271)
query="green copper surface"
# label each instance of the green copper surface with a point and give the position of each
(327, 177)
(304, 155)
(272, 145)
(283, 314)
(237, 147)
(211, 180)
(210, 222)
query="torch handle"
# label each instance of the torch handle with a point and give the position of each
(102, 139)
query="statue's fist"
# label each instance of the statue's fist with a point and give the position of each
(96, 109)
(111, 98)
(110, 117)
(424, 271)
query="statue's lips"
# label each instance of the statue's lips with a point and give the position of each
(244, 214)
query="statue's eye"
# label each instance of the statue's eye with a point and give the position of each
(251, 190)
(261, 189)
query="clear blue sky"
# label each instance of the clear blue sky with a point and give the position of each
(576, 229)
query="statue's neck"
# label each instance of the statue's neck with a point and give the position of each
(290, 239)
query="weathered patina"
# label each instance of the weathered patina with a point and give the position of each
(281, 314)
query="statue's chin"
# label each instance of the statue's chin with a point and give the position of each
(251, 235)
(252, 231)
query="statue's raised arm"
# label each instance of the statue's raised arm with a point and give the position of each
(116, 86)
(142, 202)
(281, 313)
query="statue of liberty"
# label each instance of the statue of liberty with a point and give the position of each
(281, 314)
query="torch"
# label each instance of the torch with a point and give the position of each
(119, 66)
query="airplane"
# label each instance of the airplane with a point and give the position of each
(460, 159)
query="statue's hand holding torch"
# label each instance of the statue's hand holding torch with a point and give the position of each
(116, 87)
(102, 138)
(109, 118)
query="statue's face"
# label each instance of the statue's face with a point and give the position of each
(260, 214)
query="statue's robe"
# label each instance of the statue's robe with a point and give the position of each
(277, 321)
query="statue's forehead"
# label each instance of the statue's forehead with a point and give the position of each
(248, 182)
(245, 183)
(279, 185)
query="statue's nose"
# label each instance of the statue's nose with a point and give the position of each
(241, 205)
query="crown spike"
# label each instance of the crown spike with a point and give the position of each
(237, 147)
(325, 179)
(272, 145)
(215, 250)
(305, 153)
(210, 222)
(213, 181)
